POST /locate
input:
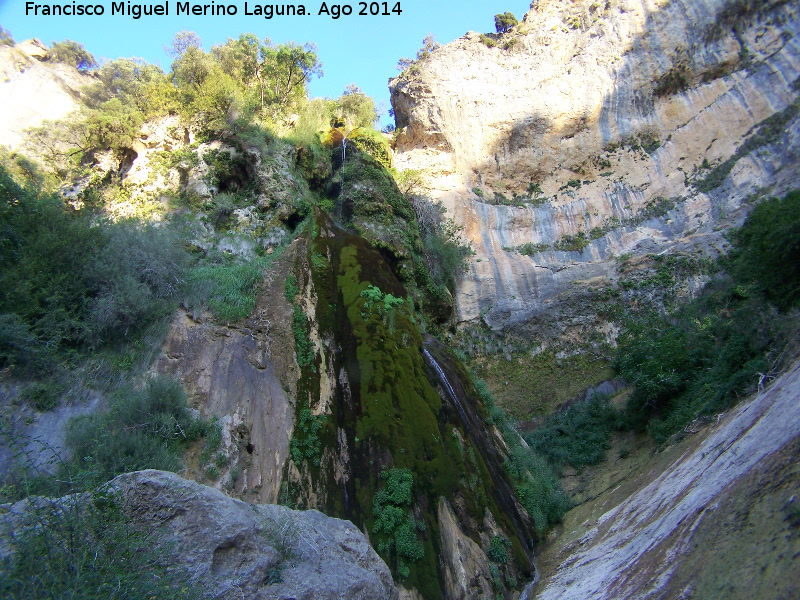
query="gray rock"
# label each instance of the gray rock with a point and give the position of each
(235, 550)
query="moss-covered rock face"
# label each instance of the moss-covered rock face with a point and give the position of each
(373, 205)
(370, 204)
(376, 443)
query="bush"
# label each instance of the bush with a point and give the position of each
(504, 22)
(535, 480)
(498, 549)
(445, 251)
(577, 436)
(70, 285)
(227, 290)
(767, 250)
(71, 53)
(143, 429)
(357, 108)
(391, 510)
(701, 358)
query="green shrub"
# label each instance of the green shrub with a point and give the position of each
(535, 480)
(672, 82)
(577, 436)
(143, 429)
(393, 518)
(766, 250)
(71, 53)
(504, 22)
(498, 549)
(227, 290)
(572, 243)
(70, 284)
(701, 358)
(43, 396)
(306, 443)
(445, 252)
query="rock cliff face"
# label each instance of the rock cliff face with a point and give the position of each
(33, 91)
(603, 123)
(245, 375)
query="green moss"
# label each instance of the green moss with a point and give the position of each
(536, 385)
(393, 416)
(306, 443)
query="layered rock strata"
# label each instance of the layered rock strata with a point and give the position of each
(590, 117)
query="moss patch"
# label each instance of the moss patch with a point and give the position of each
(530, 386)
(388, 418)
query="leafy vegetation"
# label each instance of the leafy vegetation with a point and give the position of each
(498, 549)
(536, 482)
(504, 22)
(227, 290)
(576, 436)
(68, 285)
(394, 519)
(306, 444)
(71, 53)
(143, 429)
(429, 44)
(708, 353)
(674, 81)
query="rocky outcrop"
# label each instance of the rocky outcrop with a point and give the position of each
(690, 530)
(466, 568)
(233, 550)
(32, 440)
(245, 375)
(32, 91)
(590, 114)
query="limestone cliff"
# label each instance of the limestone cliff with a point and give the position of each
(33, 91)
(594, 130)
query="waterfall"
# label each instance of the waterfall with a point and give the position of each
(465, 405)
(449, 388)
(341, 190)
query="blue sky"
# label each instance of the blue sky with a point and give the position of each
(354, 49)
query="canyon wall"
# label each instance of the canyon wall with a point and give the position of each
(592, 131)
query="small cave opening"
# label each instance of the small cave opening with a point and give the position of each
(390, 257)
(235, 174)
(294, 219)
(129, 155)
(231, 183)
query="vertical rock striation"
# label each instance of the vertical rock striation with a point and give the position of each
(583, 118)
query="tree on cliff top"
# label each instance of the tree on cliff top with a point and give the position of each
(504, 22)
(72, 53)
